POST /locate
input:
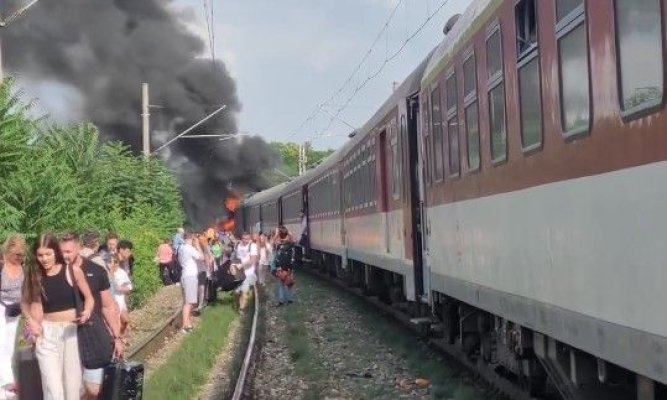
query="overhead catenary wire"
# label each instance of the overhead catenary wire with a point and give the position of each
(372, 76)
(318, 108)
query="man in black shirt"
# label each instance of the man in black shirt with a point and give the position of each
(98, 280)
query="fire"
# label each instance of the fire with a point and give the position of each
(231, 202)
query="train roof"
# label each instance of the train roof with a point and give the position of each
(467, 25)
(410, 85)
(269, 194)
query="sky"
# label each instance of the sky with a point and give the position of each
(289, 56)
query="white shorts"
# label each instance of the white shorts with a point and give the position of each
(189, 287)
(249, 280)
(94, 376)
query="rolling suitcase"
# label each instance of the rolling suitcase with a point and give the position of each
(123, 380)
(29, 377)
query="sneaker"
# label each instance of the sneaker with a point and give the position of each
(186, 329)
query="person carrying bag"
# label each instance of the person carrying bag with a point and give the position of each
(95, 341)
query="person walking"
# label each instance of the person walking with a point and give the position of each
(126, 256)
(265, 252)
(247, 253)
(11, 282)
(188, 256)
(164, 259)
(105, 306)
(49, 307)
(91, 246)
(282, 266)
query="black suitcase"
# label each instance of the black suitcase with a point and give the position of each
(123, 380)
(212, 290)
(29, 377)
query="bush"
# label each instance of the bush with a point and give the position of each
(57, 178)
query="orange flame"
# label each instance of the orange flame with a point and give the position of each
(231, 203)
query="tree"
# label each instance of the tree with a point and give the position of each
(289, 154)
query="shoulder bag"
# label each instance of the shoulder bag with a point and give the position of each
(95, 341)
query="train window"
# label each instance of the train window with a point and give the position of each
(566, 7)
(573, 58)
(494, 66)
(471, 111)
(639, 53)
(451, 93)
(472, 128)
(525, 14)
(426, 151)
(452, 126)
(396, 162)
(531, 104)
(436, 121)
(469, 77)
(494, 56)
(453, 131)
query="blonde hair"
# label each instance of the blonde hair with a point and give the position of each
(12, 242)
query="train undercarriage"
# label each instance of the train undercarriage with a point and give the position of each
(542, 367)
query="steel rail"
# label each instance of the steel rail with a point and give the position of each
(243, 374)
(146, 347)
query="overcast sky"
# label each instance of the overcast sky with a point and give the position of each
(288, 56)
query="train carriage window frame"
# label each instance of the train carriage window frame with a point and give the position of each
(572, 22)
(437, 133)
(525, 58)
(396, 161)
(452, 120)
(647, 107)
(470, 103)
(495, 83)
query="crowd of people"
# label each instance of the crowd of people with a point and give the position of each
(70, 285)
(204, 262)
(69, 282)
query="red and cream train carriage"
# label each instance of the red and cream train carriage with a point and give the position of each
(531, 143)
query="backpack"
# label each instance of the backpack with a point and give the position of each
(284, 255)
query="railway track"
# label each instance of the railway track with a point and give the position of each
(240, 389)
(480, 372)
(149, 345)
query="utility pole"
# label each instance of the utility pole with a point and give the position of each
(145, 121)
(4, 22)
(303, 157)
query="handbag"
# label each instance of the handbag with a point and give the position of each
(286, 276)
(12, 310)
(95, 342)
(123, 380)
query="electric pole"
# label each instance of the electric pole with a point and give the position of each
(145, 121)
(5, 23)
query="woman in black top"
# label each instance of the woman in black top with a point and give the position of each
(50, 308)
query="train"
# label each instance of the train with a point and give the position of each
(512, 190)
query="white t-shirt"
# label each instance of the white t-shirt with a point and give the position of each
(244, 252)
(120, 278)
(187, 257)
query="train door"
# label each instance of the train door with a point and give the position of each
(422, 269)
(304, 215)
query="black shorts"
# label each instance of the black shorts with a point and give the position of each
(201, 278)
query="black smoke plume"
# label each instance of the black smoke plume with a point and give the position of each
(104, 49)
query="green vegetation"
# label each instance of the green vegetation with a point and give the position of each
(57, 178)
(289, 155)
(188, 367)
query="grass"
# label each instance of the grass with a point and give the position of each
(306, 363)
(188, 367)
